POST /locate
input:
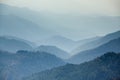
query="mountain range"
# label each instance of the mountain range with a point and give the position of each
(111, 46)
(105, 67)
(14, 66)
(97, 42)
(66, 43)
(57, 24)
(44, 46)
(14, 44)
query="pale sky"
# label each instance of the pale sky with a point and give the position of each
(98, 7)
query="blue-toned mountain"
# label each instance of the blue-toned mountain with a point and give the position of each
(105, 67)
(111, 46)
(25, 63)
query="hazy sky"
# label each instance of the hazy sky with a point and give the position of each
(72, 27)
(102, 7)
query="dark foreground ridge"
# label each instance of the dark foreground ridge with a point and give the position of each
(106, 67)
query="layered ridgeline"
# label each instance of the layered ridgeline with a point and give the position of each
(24, 63)
(14, 14)
(97, 42)
(20, 27)
(106, 67)
(65, 43)
(49, 19)
(59, 41)
(53, 50)
(111, 46)
(32, 44)
(13, 25)
(14, 44)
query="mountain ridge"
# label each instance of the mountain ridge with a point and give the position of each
(53, 50)
(111, 46)
(105, 67)
(13, 45)
(24, 63)
(98, 42)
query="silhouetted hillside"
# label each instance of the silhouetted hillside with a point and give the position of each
(24, 63)
(106, 67)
